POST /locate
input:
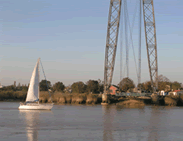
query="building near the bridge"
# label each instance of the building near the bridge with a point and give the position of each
(176, 92)
(114, 89)
(163, 93)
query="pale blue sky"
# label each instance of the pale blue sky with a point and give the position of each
(70, 36)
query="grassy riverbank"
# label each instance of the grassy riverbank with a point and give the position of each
(85, 98)
(13, 95)
(57, 97)
(74, 98)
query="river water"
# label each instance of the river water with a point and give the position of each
(91, 123)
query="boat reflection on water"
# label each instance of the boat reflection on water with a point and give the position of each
(31, 118)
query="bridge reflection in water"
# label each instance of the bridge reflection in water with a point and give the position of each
(108, 117)
(131, 123)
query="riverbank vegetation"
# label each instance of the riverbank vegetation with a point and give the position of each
(97, 86)
(90, 92)
(86, 98)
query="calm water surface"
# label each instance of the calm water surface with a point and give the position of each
(91, 123)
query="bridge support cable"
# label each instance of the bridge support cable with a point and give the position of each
(140, 24)
(124, 8)
(151, 45)
(121, 44)
(131, 31)
(111, 43)
(126, 36)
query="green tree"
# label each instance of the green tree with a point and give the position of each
(92, 86)
(43, 86)
(147, 86)
(101, 86)
(24, 88)
(141, 86)
(126, 84)
(9, 88)
(175, 85)
(59, 86)
(78, 87)
(163, 82)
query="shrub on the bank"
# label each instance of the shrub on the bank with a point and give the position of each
(74, 98)
(181, 98)
(79, 99)
(19, 95)
(68, 98)
(171, 100)
(44, 96)
(92, 99)
(43, 100)
(62, 99)
(57, 97)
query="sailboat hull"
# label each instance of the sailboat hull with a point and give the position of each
(35, 106)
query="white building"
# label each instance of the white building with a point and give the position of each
(172, 93)
(163, 93)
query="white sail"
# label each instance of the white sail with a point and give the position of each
(33, 91)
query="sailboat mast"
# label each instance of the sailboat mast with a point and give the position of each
(46, 81)
(38, 78)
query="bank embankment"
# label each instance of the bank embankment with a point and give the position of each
(85, 98)
(172, 100)
(157, 100)
(133, 101)
(13, 95)
(74, 98)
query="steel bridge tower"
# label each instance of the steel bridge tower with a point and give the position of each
(112, 38)
(151, 45)
(111, 44)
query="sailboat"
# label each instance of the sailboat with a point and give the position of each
(32, 99)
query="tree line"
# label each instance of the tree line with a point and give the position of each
(163, 84)
(97, 86)
(91, 86)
